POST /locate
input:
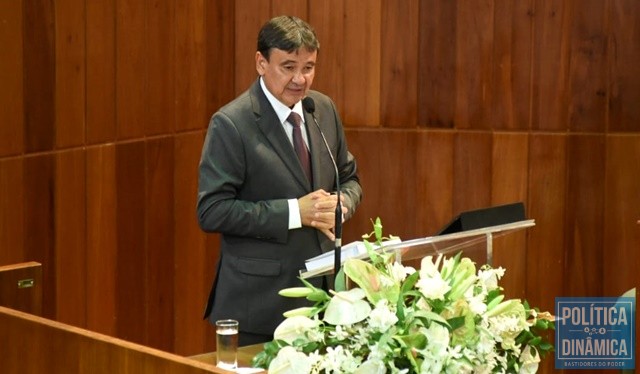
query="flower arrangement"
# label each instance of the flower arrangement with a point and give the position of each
(445, 317)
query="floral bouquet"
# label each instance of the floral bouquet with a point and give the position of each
(445, 317)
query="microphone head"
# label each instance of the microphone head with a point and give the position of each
(309, 105)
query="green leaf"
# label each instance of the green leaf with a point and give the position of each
(492, 295)
(377, 229)
(535, 341)
(410, 282)
(340, 283)
(400, 309)
(495, 301)
(456, 322)
(318, 295)
(431, 316)
(541, 324)
(417, 341)
(545, 347)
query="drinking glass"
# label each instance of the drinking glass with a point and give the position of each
(227, 344)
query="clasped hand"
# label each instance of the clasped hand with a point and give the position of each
(318, 210)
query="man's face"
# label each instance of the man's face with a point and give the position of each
(288, 76)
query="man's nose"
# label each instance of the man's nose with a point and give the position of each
(298, 77)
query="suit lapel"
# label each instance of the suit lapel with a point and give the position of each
(268, 122)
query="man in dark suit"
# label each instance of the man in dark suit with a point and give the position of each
(253, 188)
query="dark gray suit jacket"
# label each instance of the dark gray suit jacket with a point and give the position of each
(248, 170)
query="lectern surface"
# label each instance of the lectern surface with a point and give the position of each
(245, 355)
(474, 243)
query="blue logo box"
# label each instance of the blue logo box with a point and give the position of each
(595, 333)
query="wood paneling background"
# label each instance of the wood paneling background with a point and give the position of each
(448, 106)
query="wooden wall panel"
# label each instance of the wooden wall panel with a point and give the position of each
(194, 266)
(399, 64)
(621, 259)
(39, 223)
(509, 168)
(131, 258)
(131, 63)
(474, 32)
(585, 207)
(100, 92)
(588, 69)
(330, 64)
(11, 79)
(623, 67)
(397, 160)
(510, 98)
(102, 242)
(296, 8)
(437, 64)
(70, 20)
(250, 15)
(472, 171)
(547, 201)
(159, 214)
(358, 40)
(551, 85)
(70, 238)
(434, 181)
(160, 60)
(366, 148)
(220, 21)
(509, 177)
(39, 75)
(190, 65)
(12, 244)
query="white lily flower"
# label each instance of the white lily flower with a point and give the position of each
(290, 361)
(371, 367)
(530, 360)
(294, 328)
(347, 308)
(433, 286)
(382, 317)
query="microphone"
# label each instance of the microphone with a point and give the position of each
(310, 107)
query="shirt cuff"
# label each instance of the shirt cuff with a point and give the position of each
(295, 222)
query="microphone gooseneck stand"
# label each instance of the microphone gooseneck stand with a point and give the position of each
(310, 106)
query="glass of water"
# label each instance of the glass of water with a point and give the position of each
(227, 344)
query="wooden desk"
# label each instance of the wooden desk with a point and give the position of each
(21, 287)
(32, 344)
(245, 354)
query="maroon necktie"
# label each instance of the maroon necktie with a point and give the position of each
(298, 144)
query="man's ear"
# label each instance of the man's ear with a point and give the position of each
(261, 63)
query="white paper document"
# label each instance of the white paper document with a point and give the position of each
(353, 249)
